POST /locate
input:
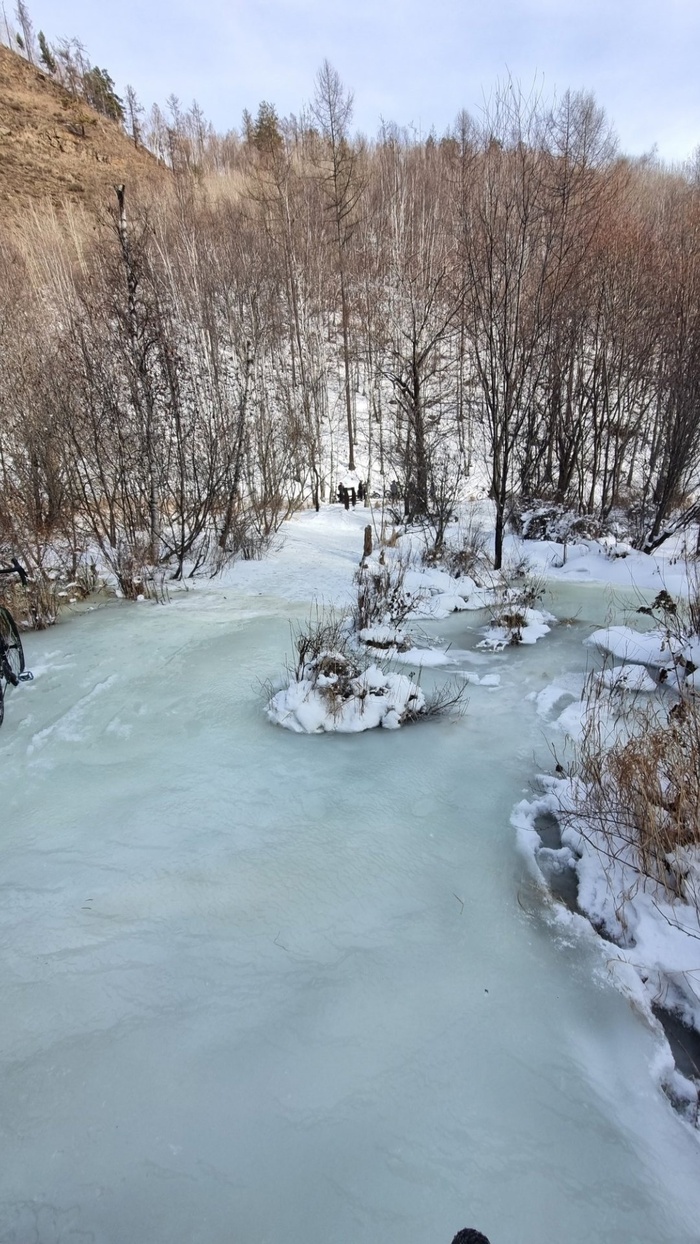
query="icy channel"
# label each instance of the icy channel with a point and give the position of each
(260, 987)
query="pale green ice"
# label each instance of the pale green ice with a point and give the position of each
(261, 988)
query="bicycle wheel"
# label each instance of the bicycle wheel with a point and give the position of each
(10, 647)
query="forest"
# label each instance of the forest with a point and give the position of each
(512, 307)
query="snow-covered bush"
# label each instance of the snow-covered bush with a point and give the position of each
(630, 825)
(335, 687)
(385, 638)
(335, 695)
(382, 599)
(638, 787)
(514, 620)
(550, 520)
(629, 814)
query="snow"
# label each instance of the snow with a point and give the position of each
(423, 656)
(626, 678)
(486, 680)
(536, 624)
(626, 644)
(376, 699)
(383, 637)
(438, 594)
(591, 560)
(258, 985)
(572, 719)
(656, 941)
(548, 698)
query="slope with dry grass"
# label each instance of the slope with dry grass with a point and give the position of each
(54, 147)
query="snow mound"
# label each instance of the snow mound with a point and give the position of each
(525, 626)
(626, 678)
(436, 594)
(338, 699)
(384, 637)
(422, 656)
(486, 680)
(548, 698)
(625, 644)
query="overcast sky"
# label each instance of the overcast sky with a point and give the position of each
(416, 63)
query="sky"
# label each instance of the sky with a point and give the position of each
(410, 62)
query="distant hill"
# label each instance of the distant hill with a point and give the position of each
(55, 147)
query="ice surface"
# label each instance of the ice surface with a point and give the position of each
(259, 986)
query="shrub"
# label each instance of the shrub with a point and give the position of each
(467, 555)
(638, 786)
(381, 597)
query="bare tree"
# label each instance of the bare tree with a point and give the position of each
(134, 112)
(342, 186)
(424, 304)
(27, 28)
(529, 199)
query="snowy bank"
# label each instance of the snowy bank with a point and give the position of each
(650, 943)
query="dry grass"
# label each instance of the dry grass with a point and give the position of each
(448, 700)
(325, 633)
(35, 606)
(467, 554)
(639, 785)
(54, 147)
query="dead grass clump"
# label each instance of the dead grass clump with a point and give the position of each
(512, 619)
(448, 700)
(34, 605)
(639, 787)
(467, 554)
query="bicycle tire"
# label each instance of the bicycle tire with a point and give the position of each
(10, 647)
(2, 702)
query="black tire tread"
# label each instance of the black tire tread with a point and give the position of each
(13, 658)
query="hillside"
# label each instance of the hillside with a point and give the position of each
(54, 146)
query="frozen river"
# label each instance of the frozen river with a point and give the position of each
(259, 987)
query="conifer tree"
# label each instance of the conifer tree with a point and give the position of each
(267, 137)
(247, 126)
(45, 54)
(99, 91)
